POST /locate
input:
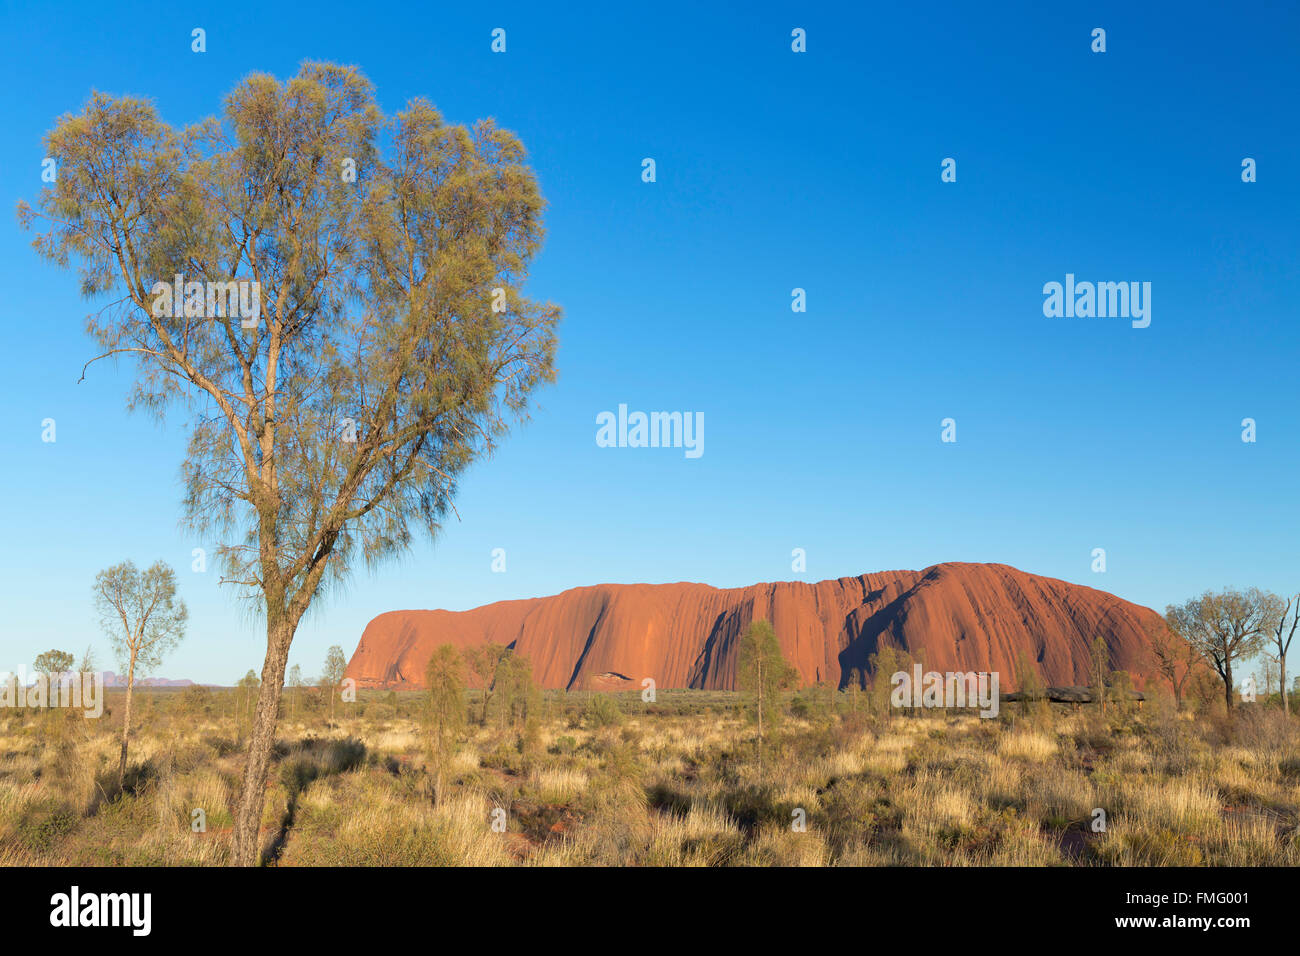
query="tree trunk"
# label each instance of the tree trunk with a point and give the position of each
(252, 796)
(1281, 673)
(760, 712)
(126, 720)
(1227, 684)
(438, 753)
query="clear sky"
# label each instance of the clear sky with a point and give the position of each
(775, 170)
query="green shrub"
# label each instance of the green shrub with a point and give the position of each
(45, 823)
(601, 710)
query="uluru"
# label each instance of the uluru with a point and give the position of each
(953, 616)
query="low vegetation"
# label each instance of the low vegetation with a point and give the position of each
(554, 778)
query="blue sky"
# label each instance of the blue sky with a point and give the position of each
(775, 170)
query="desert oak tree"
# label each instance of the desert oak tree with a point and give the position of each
(143, 619)
(1283, 631)
(336, 664)
(52, 664)
(391, 344)
(444, 678)
(50, 667)
(1174, 658)
(1225, 627)
(761, 673)
(485, 662)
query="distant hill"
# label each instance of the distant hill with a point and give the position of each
(955, 616)
(112, 679)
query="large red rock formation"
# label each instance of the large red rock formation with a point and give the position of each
(954, 617)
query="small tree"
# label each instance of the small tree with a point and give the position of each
(88, 666)
(1264, 680)
(1121, 690)
(248, 686)
(1282, 633)
(1030, 684)
(323, 690)
(144, 620)
(1204, 691)
(514, 685)
(1175, 658)
(884, 664)
(336, 664)
(444, 679)
(1226, 627)
(295, 682)
(484, 663)
(761, 674)
(853, 690)
(52, 665)
(196, 699)
(1099, 657)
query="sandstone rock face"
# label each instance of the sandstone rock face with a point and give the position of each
(955, 617)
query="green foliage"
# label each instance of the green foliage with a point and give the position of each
(601, 710)
(436, 217)
(197, 699)
(567, 745)
(884, 664)
(530, 740)
(1030, 682)
(336, 664)
(444, 681)
(52, 663)
(140, 613)
(515, 688)
(485, 662)
(46, 822)
(763, 672)
(1226, 628)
